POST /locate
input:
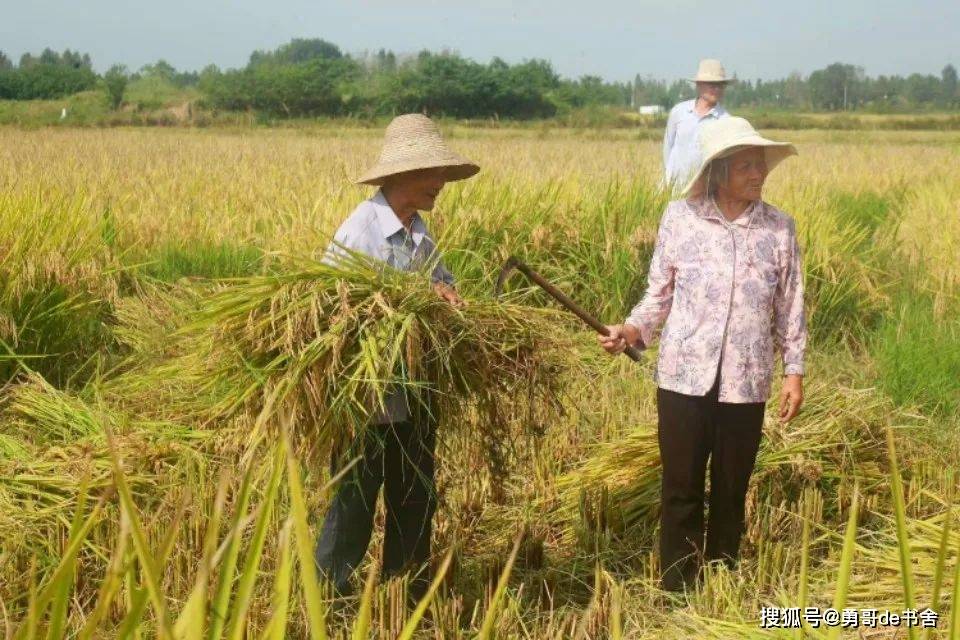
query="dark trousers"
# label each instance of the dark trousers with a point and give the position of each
(692, 429)
(399, 456)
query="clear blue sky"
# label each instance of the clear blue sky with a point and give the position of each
(611, 38)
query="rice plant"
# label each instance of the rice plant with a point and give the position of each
(177, 363)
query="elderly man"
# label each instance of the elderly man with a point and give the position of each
(396, 449)
(681, 153)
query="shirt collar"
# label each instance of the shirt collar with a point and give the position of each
(706, 207)
(389, 222)
(715, 111)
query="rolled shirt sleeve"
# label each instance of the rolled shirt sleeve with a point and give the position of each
(439, 271)
(652, 310)
(442, 274)
(790, 330)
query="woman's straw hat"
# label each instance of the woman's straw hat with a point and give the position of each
(710, 70)
(725, 136)
(413, 141)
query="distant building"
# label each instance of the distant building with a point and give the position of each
(651, 110)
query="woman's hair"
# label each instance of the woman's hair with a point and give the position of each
(716, 174)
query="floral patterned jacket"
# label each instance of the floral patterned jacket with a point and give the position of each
(724, 288)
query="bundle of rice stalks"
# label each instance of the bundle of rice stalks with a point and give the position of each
(55, 442)
(57, 282)
(836, 440)
(45, 417)
(329, 342)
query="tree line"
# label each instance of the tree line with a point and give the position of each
(48, 75)
(313, 77)
(838, 87)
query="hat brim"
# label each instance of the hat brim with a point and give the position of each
(775, 152)
(721, 80)
(457, 168)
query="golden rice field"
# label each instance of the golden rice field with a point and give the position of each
(142, 495)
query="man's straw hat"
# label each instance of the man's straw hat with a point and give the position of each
(710, 70)
(724, 136)
(413, 141)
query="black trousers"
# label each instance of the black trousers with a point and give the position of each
(690, 430)
(399, 456)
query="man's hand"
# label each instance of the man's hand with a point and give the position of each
(791, 396)
(620, 336)
(449, 294)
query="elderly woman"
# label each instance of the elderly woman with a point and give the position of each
(725, 275)
(397, 449)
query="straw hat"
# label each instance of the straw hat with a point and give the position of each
(725, 136)
(710, 70)
(413, 141)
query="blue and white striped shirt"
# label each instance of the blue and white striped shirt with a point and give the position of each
(681, 142)
(374, 229)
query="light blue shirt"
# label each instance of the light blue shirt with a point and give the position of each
(374, 229)
(681, 142)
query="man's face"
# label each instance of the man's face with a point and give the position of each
(419, 188)
(711, 92)
(746, 173)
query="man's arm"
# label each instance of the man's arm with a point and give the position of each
(443, 280)
(442, 274)
(669, 136)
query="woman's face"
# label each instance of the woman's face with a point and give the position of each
(746, 173)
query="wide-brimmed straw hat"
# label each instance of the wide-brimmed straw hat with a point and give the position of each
(413, 141)
(710, 70)
(726, 136)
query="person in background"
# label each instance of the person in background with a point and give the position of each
(681, 152)
(726, 284)
(396, 449)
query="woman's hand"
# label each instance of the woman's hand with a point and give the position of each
(791, 396)
(620, 336)
(449, 294)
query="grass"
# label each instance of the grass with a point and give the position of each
(160, 296)
(155, 92)
(221, 260)
(85, 108)
(146, 102)
(918, 356)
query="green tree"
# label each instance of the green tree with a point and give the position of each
(47, 81)
(297, 51)
(72, 59)
(948, 78)
(116, 79)
(49, 56)
(312, 88)
(836, 87)
(923, 89)
(796, 93)
(75, 59)
(10, 84)
(159, 69)
(386, 61)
